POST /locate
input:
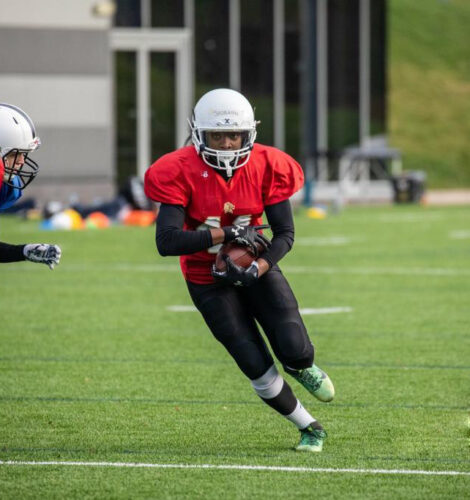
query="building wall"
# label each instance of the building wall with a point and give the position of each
(55, 63)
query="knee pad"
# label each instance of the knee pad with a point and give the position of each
(295, 348)
(269, 385)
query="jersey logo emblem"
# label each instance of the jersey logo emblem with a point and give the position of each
(205, 174)
(228, 208)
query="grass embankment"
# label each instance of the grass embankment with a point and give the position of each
(429, 88)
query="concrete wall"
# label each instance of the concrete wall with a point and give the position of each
(55, 63)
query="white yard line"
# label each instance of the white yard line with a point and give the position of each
(268, 468)
(408, 271)
(410, 217)
(181, 308)
(325, 310)
(459, 235)
(174, 268)
(306, 311)
(322, 241)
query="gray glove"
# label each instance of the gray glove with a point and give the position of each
(43, 253)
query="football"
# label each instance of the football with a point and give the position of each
(240, 255)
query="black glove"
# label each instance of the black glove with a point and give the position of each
(236, 275)
(247, 236)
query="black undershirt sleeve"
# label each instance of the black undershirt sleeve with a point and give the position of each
(172, 239)
(281, 220)
(11, 253)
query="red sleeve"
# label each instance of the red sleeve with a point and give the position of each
(165, 183)
(283, 177)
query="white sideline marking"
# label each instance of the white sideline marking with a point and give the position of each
(307, 311)
(243, 467)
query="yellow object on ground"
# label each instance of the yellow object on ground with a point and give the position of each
(316, 213)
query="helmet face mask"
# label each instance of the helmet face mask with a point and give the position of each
(17, 140)
(223, 110)
(16, 174)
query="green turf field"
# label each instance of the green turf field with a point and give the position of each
(94, 367)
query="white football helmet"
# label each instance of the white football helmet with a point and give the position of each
(223, 110)
(17, 136)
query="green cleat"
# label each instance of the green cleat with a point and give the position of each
(311, 439)
(316, 382)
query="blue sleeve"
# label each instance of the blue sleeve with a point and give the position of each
(9, 195)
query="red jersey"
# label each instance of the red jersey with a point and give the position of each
(182, 178)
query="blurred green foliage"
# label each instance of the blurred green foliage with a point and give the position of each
(429, 88)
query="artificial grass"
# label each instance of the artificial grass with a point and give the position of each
(94, 367)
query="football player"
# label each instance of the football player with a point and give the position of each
(17, 170)
(215, 191)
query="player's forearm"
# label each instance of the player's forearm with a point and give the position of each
(282, 225)
(171, 239)
(218, 235)
(11, 253)
(179, 242)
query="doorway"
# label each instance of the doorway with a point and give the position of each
(153, 97)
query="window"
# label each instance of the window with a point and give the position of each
(257, 62)
(126, 115)
(162, 102)
(167, 13)
(212, 45)
(343, 73)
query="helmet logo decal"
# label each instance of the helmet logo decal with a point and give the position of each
(227, 121)
(226, 112)
(228, 207)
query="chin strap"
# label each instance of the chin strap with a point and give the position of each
(228, 168)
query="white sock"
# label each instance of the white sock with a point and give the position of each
(300, 417)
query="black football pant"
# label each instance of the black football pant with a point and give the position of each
(231, 313)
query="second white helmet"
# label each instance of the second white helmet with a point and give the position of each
(223, 110)
(17, 140)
